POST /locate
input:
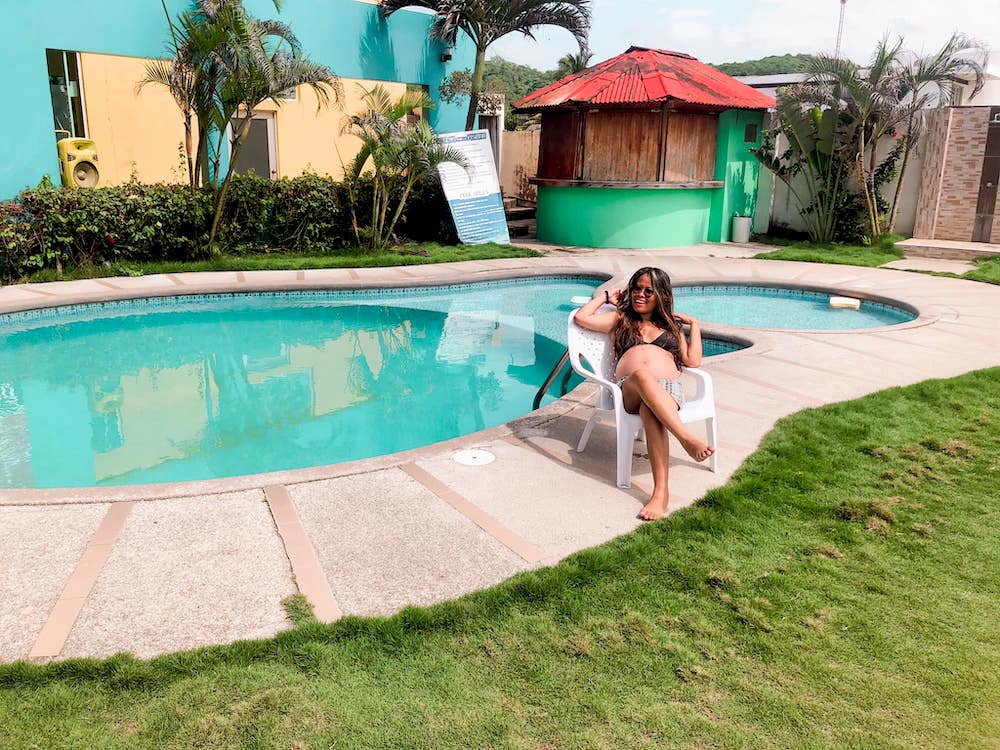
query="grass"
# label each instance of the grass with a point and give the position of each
(413, 254)
(987, 269)
(883, 251)
(840, 591)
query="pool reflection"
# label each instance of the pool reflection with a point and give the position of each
(311, 385)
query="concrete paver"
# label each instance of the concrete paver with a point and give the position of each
(203, 562)
(39, 549)
(386, 541)
(185, 573)
(545, 502)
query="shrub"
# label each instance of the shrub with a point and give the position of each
(48, 227)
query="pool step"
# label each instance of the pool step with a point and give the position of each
(948, 249)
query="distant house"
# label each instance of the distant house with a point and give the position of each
(74, 67)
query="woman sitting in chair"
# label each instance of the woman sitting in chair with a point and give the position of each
(651, 347)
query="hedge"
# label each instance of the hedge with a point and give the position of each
(49, 227)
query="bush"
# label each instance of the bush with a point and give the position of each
(48, 227)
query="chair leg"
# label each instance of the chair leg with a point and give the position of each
(625, 444)
(587, 431)
(713, 440)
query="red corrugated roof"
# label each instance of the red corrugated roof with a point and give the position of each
(643, 76)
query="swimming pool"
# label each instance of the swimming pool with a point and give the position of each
(198, 387)
(780, 307)
(209, 386)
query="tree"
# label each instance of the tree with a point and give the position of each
(485, 21)
(770, 65)
(930, 80)
(224, 64)
(813, 162)
(259, 69)
(885, 97)
(573, 63)
(870, 97)
(400, 153)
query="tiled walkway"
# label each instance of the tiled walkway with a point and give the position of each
(153, 569)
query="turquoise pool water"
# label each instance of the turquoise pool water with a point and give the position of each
(201, 387)
(183, 388)
(774, 307)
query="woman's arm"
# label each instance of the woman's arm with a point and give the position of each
(691, 348)
(588, 317)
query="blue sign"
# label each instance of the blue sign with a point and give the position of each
(473, 192)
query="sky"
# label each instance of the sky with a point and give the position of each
(737, 30)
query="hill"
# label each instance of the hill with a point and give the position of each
(763, 66)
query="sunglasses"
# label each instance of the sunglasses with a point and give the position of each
(642, 292)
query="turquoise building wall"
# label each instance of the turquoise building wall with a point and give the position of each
(349, 36)
(644, 218)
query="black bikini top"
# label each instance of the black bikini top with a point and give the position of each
(666, 341)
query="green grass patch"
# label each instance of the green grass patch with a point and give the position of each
(839, 592)
(987, 269)
(406, 255)
(877, 254)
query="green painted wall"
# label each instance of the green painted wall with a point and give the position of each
(738, 168)
(347, 35)
(612, 217)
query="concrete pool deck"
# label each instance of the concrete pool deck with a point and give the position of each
(159, 568)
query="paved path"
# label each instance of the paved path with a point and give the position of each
(153, 569)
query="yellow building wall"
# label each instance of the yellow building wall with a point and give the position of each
(143, 130)
(308, 140)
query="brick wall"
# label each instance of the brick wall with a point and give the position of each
(954, 161)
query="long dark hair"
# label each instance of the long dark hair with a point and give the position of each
(626, 333)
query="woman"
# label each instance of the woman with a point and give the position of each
(651, 347)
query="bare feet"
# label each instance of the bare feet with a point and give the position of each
(654, 510)
(698, 450)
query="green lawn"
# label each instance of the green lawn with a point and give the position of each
(987, 270)
(841, 591)
(882, 252)
(417, 253)
(885, 251)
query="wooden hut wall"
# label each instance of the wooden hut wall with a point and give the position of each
(621, 145)
(690, 147)
(558, 146)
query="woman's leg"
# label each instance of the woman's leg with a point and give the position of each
(658, 445)
(642, 388)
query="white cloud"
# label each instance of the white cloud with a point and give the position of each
(734, 30)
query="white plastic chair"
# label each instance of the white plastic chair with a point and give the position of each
(598, 352)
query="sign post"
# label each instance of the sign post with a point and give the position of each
(473, 193)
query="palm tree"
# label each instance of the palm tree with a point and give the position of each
(930, 80)
(870, 97)
(399, 152)
(485, 21)
(260, 61)
(573, 63)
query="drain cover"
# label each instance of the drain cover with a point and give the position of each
(474, 457)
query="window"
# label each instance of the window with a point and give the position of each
(67, 93)
(750, 133)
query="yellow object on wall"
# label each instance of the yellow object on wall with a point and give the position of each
(141, 132)
(78, 162)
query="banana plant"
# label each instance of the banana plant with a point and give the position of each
(812, 164)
